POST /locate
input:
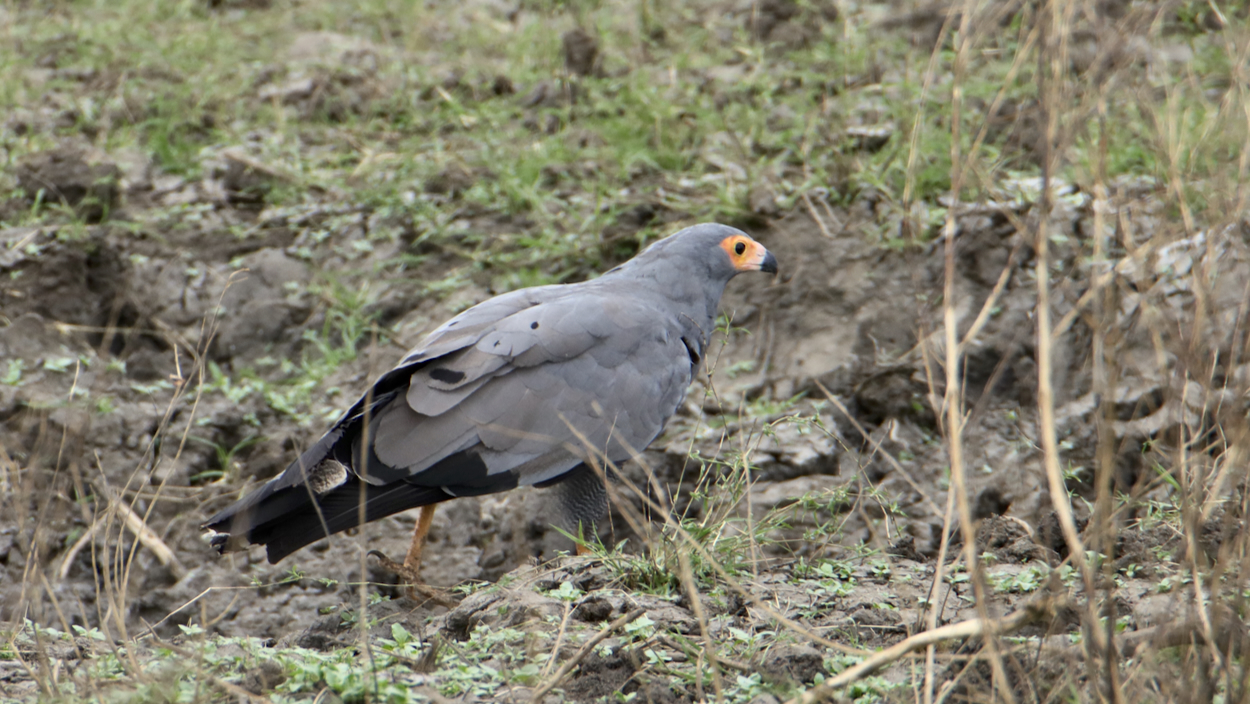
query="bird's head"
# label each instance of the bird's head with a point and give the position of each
(745, 254)
(722, 251)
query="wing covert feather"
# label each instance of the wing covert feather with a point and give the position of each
(537, 384)
(467, 328)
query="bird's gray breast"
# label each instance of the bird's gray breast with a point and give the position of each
(646, 374)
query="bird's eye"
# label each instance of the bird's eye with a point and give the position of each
(740, 248)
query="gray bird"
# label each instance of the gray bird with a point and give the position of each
(534, 387)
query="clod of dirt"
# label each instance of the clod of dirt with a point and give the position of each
(789, 452)
(797, 664)
(990, 502)
(322, 635)
(1050, 534)
(64, 176)
(245, 185)
(764, 17)
(1008, 539)
(870, 139)
(1222, 526)
(785, 22)
(594, 609)
(872, 616)
(602, 677)
(762, 199)
(264, 677)
(7, 539)
(502, 85)
(70, 281)
(257, 309)
(905, 547)
(581, 52)
(923, 26)
(629, 221)
(895, 393)
(331, 74)
(549, 94)
(461, 621)
(735, 605)
(28, 337)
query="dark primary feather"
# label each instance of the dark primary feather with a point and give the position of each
(338, 511)
(521, 389)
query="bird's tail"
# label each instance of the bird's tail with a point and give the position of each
(285, 520)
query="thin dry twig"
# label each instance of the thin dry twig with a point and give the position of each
(820, 222)
(964, 629)
(953, 403)
(585, 650)
(135, 523)
(67, 560)
(149, 538)
(564, 629)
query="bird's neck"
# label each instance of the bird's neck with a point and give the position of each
(693, 295)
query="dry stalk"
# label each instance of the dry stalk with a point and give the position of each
(145, 535)
(953, 403)
(1052, 70)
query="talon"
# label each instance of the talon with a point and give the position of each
(411, 581)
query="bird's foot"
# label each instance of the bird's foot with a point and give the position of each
(411, 579)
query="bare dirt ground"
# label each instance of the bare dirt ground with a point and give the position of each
(169, 338)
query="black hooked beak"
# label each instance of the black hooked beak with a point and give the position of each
(769, 265)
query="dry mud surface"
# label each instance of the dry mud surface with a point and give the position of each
(843, 318)
(829, 384)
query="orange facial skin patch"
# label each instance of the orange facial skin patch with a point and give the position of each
(745, 253)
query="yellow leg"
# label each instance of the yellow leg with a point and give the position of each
(424, 519)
